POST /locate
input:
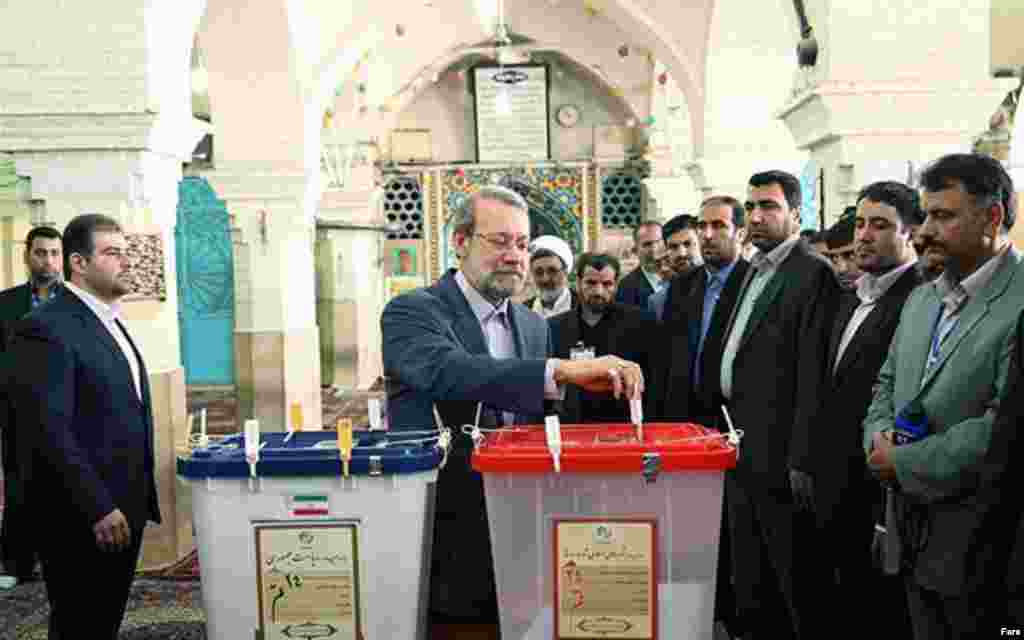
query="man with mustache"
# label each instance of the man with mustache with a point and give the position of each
(637, 286)
(43, 260)
(847, 500)
(460, 345)
(597, 327)
(772, 368)
(682, 253)
(550, 264)
(698, 306)
(928, 430)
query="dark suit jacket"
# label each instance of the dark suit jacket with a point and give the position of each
(15, 303)
(85, 439)
(836, 451)
(779, 369)
(678, 400)
(630, 334)
(435, 352)
(634, 289)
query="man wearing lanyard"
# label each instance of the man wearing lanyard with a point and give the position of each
(43, 260)
(928, 429)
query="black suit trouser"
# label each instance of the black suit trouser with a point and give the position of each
(776, 564)
(87, 588)
(939, 617)
(17, 539)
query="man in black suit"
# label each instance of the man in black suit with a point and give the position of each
(846, 498)
(698, 305)
(682, 256)
(842, 251)
(81, 402)
(43, 258)
(772, 367)
(637, 286)
(599, 326)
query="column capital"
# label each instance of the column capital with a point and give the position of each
(892, 113)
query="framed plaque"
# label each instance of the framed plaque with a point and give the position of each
(511, 108)
(605, 580)
(307, 580)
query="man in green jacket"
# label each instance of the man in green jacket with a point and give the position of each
(930, 421)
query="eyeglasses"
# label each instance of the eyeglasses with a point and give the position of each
(506, 241)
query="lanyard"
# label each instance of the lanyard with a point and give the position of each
(940, 337)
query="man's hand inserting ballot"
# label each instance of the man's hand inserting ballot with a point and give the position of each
(601, 375)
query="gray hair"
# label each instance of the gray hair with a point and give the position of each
(465, 214)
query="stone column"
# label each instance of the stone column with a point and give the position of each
(277, 352)
(865, 112)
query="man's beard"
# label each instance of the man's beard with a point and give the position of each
(496, 292)
(550, 295)
(596, 306)
(44, 279)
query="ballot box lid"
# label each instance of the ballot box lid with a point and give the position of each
(606, 448)
(313, 453)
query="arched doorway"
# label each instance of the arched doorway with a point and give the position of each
(206, 286)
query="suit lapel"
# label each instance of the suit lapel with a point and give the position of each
(520, 339)
(765, 300)
(465, 324)
(977, 308)
(25, 302)
(889, 305)
(847, 307)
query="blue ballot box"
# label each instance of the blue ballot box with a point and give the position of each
(292, 547)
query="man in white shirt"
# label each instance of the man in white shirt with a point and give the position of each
(82, 408)
(847, 500)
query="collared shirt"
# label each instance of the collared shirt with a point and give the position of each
(954, 297)
(653, 279)
(562, 303)
(110, 317)
(763, 267)
(53, 290)
(714, 284)
(497, 330)
(870, 289)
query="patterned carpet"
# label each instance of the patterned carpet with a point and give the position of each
(159, 609)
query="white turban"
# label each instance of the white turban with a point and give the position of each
(555, 245)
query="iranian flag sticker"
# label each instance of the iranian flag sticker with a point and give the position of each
(304, 506)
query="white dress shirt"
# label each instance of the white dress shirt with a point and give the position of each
(870, 289)
(110, 318)
(763, 267)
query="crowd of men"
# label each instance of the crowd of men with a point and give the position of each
(872, 368)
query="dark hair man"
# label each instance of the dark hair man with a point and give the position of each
(550, 264)
(598, 327)
(637, 286)
(43, 256)
(462, 344)
(682, 253)
(847, 501)
(81, 401)
(697, 307)
(772, 368)
(842, 253)
(928, 428)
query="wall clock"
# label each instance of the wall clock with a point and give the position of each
(568, 115)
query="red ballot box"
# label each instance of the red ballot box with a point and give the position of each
(621, 543)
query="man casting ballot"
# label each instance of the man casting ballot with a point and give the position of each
(463, 342)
